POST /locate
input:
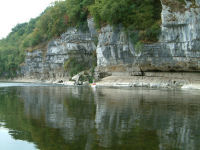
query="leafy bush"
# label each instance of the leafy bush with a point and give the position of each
(73, 66)
(130, 13)
(136, 16)
(53, 21)
(182, 1)
(77, 11)
(151, 34)
(139, 46)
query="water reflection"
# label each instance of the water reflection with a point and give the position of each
(58, 118)
(8, 143)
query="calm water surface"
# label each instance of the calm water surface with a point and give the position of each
(45, 117)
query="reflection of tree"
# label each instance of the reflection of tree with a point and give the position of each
(176, 126)
(23, 127)
(138, 139)
(81, 106)
(78, 114)
(11, 112)
(76, 118)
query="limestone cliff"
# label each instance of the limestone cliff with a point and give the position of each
(178, 48)
(48, 63)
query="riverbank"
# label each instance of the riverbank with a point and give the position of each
(33, 80)
(150, 80)
(184, 80)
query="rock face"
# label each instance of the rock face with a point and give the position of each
(49, 64)
(178, 48)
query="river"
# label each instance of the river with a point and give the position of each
(50, 117)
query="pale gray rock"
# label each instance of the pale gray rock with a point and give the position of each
(49, 64)
(178, 48)
(77, 77)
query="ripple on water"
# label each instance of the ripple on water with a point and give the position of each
(5, 84)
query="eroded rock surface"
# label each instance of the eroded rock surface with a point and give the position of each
(178, 48)
(49, 63)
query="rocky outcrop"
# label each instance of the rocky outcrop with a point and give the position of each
(49, 63)
(178, 48)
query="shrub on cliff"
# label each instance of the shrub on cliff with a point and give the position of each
(51, 23)
(11, 53)
(134, 15)
(78, 12)
(130, 13)
(74, 66)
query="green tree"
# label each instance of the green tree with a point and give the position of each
(78, 11)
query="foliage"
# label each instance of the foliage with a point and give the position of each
(77, 10)
(138, 47)
(26, 121)
(141, 18)
(51, 23)
(11, 52)
(151, 34)
(74, 66)
(54, 21)
(130, 13)
(136, 16)
(182, 1)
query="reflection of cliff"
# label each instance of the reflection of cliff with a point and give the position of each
(172, 114)
(76, 112)
(65, 110)
(24, 127)
(78, 118)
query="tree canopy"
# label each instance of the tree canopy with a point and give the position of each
(142, 16)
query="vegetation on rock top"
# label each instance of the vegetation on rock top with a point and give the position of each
(138, 16)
